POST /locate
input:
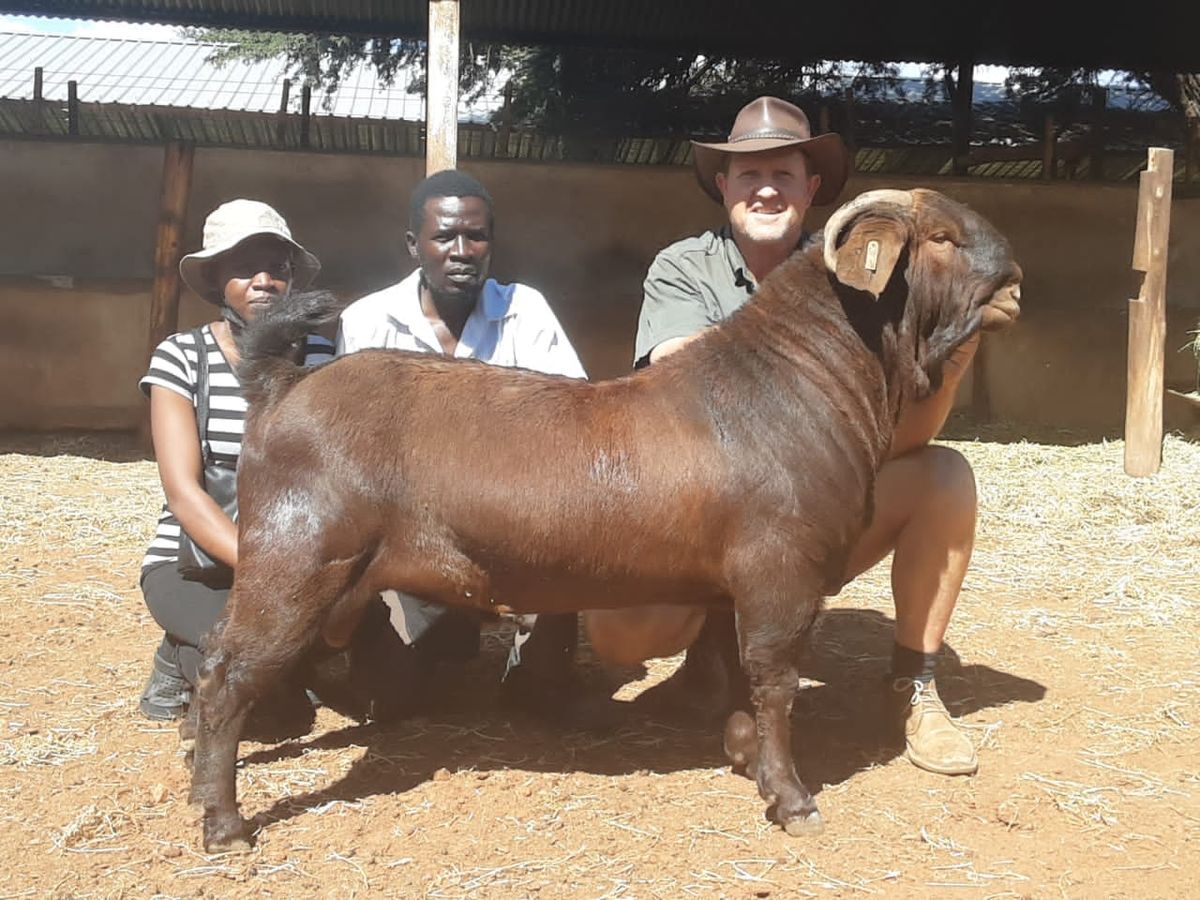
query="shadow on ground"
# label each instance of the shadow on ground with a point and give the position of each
(840, 724)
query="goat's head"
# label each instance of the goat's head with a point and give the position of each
(958, 271)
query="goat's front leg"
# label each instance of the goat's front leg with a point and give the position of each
(771, 633)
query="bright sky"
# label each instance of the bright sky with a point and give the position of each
(87, 28)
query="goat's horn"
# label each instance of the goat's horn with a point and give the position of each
(846, 212)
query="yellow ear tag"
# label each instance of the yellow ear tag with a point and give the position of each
(872, 261)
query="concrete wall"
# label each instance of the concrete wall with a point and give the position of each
(77, 246)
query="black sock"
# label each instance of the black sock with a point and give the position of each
(913, 664)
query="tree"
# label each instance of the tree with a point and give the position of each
(572, 91)
(590, 97)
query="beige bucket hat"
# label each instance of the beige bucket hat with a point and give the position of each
(228, 226)
(769, 123)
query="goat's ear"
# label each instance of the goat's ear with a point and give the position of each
(867, 257)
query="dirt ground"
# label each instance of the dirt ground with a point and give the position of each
(1072, 660)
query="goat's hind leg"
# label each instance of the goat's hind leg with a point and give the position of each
(771, 634)
(274, 614)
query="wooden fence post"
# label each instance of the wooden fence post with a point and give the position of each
(73, 108)
(964, 96)
(172, 211)
(305, 114)
(281, 121)
(1148, 318)
(39, 103)
(1049, 142)
(1096, 139)
(441, 96)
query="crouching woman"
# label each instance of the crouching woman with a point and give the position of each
(248, 262)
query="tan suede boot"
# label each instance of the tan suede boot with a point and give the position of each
(932, 741)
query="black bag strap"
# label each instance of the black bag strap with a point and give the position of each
(202, 392)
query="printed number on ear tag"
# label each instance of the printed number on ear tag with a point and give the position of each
(872, 261)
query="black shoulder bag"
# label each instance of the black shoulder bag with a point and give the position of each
(220, 483)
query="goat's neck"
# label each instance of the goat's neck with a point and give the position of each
(822, 355)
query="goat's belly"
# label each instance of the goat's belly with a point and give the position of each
(532, 591)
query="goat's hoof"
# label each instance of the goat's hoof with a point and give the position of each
(228, 845)
(226, 835)
(805, 825)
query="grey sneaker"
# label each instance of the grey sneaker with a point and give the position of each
(932, 741)
(166, 695)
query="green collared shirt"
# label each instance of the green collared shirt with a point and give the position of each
(692, 284)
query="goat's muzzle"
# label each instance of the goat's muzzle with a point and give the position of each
(1003, 309)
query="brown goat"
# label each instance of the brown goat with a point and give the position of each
(737, 472)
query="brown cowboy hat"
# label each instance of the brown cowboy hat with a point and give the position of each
(769, 123)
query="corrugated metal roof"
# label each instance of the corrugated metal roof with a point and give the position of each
(331, 134)
(155, 91)
(254, 130)
(178, 73)
(1015, 32)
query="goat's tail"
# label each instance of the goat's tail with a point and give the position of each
(272, 344)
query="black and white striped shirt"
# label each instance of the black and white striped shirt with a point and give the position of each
(173, 366)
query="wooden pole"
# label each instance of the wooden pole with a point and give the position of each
(963, 96)
(172, 211)
(72, 108)
(1096, 138)
(1049, 139)
(504, 134)
(1148, 318)
(281, 123)
(441, 98)
(164, 296)
(305, 113)
(39, 106)
(848, 132)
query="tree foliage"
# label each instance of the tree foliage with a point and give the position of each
(587, 93)
(568, 90)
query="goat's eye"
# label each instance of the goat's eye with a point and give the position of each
(942, 237)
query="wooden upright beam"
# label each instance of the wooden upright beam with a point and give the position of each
(172, 211)
(1148, 318)
(39, 105)
(1049, 143)
(305, 113)
(281, 121)
(441, 96)
(1097, 137)
(848, 131)
(73, 108)
(964, 94)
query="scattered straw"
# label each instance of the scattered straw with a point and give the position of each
(95, 830)
(55, 748)
(1081, 587)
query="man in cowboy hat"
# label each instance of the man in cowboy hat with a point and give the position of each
(767, 175)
